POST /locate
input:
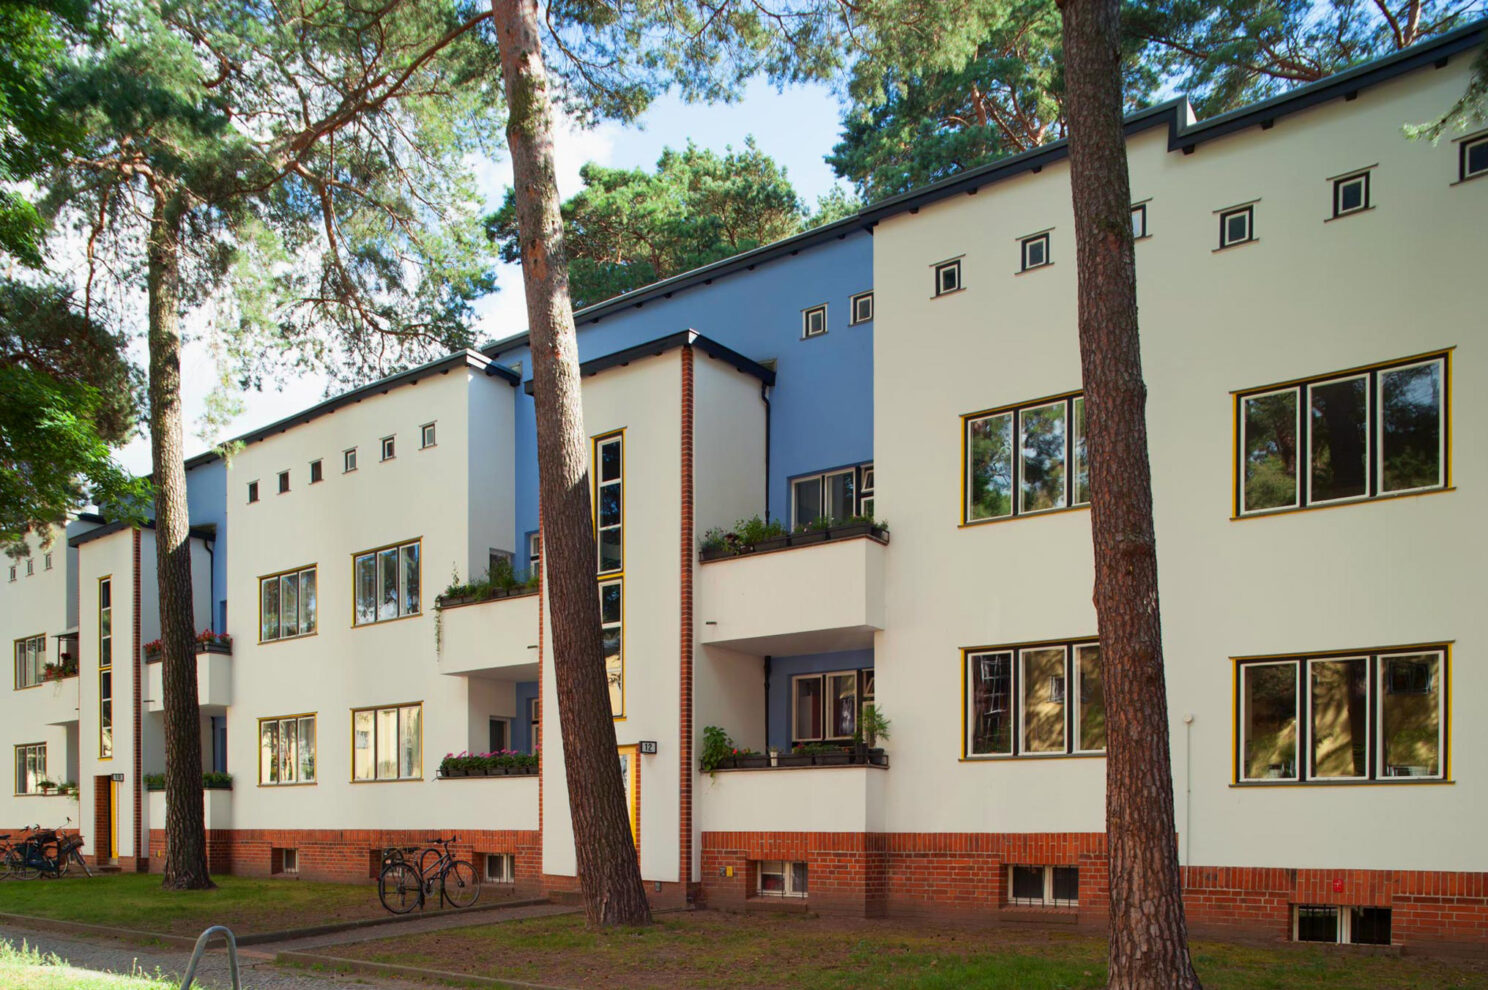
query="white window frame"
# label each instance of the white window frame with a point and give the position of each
(12, 572)
(1369, 699)
(600, 483)
(505, 868)
(298, 574)
(861, 694)
(287, 767)
(283, 483)
(348, 460)
(1017, 677)
(618, 626)
(34, 754)
(428, 436)
(317, 472)
(1071, 495)
(786, 869)
(807, 314)
(1245, 510)
(1345, 914)
(398, 732)
(389, 447)
(1026, 246)
(858, 471)
(1139, 221)
(953, 269)
(30, 658)
(855, 308)
(1381, 661)
(1247, 211)
(401, 612)
(1341, 183)
(1240, 734)
(1377, 410)
(1465, 146)
(30, 566)
(534, 553)
(1048, 899)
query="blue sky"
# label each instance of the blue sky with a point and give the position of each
(797, 128)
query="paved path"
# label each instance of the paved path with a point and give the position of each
(257, 969)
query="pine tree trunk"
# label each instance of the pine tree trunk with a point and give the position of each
(609, 872)
(185, 829)
(1149, 939)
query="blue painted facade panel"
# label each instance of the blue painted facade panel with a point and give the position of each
(822, 401)
(521, 731)
(782, 669)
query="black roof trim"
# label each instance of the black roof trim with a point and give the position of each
(671, 342)
(468, 358)
(1186, 133)
(207, 534)
(1183, 132)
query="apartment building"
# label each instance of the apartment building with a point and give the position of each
(1307, 345)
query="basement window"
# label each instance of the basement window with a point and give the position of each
(284, 861)
(781, 878)
(1044, 886)
(1345, 925)
(500, 868)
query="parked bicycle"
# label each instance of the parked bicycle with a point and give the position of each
(42, 852)
(402, 886)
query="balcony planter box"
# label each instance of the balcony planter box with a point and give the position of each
(773, 543)
(793, 760)
(877, 757)
(806, 539)
(716, 553)
(753, 761)
(841, 759)
(215, 647)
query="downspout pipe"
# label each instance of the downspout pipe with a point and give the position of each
(765, 398)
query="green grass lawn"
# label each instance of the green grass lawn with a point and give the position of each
(734, 952)
(26, 969)
(136, 900)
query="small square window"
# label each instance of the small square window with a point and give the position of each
(814, 321)
(253, 491)
(1236, 226)
(283, 482)
(388, 448)
(500, 868)
(284, 861)
(348, 460)
(1351, 194)
(1044, 886)
(777, 878)
(1035, 251)
(947, 277)
(1139, 221)
(426, 435)
(862, 307)
(315, 472)
(1474, 161)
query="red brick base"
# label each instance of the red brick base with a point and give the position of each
(348, 855)
(966, 875)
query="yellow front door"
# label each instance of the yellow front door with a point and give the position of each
(630, 777)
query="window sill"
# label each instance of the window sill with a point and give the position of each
(1237, 244)
(1381, 782)
(1350, 213)
(373, 623)
(948, 292)
(297, 783)
(1035, 268)
(1463, 181)
(390, 780)
(968, 524)
(1342, 503)
(1030, 757)
(291, 639)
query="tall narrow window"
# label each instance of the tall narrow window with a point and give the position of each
(1139, 221)
(105, 669)
(316, 474)
(1025, 459)
(387, 743)
(286, 750)
(389, 448)
(534, 554)
(30, 657)
(386, 583)
(1354, 435)
(287, 604)
(1473, 158)
(348, 460)
(426, 435)
(609, 502)
(30, 767)
(1019, 701)
(612, 627)
(48, 564)
(283, 482)
(253, 491)
(1366, 716)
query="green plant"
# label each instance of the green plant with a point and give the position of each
(874, 725)
(756, 530)
(717, 747)
(715, 539)
(816, 748)
(154, 781)
(217, 781)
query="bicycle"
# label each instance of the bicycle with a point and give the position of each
(401, 886)
(42, 853)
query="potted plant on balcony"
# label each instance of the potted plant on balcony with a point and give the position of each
(216, 781)
(152, 650)
(67, 666)
(208, 641)
(46, 786)
(719, 752)
(154, 781)
(874, 726)
(814, 531)
(748, 759)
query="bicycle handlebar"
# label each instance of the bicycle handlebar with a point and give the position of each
(442, 842)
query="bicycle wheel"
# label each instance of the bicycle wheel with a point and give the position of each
(400, 888)
(459, 886)
(18, 861)
(77, 858)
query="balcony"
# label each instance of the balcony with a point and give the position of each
(799, 799)
(213, 678)
(493, 637)
(815, 592)
(216, 807)
(55, 700)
